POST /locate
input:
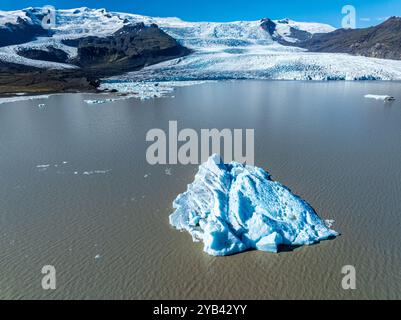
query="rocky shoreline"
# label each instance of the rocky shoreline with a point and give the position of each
(46, 81)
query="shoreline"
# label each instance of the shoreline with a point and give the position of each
(50, 82)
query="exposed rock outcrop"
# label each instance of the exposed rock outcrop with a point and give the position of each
(20, 32)
(382, 41)
(50, 54)
(132, 47)
(295, 34)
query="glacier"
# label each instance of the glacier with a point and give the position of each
(221, 50)
(233, 208)
(243, 50)
(273, 62)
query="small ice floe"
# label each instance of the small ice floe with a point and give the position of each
(168, 171)
(89, 173)
(41, 106)
(144, 90)
(146, 176)
(99, 101)
(97, 257)
(102, 101)
(380, 97)
(233, 208)
(43, 166)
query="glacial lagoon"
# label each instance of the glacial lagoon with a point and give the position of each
(76, 192)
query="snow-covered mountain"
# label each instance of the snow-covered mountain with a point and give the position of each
(242, 49)
(75, 23)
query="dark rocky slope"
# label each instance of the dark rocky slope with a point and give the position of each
(51, 54)
(270, 27)
(130, 48)
(21, 32)
(15, 78)
(382, 41)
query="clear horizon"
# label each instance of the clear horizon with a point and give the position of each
(369, 12)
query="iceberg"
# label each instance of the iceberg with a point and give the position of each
(233, 208)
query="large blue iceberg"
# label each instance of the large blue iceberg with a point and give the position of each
(234, 208)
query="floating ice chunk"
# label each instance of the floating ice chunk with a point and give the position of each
(109, 100)
(380, 97)
(41, 166)
(99, 101)
(144, 90)
(89, 173)
(234, 208)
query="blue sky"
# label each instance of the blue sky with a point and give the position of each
(369, 12)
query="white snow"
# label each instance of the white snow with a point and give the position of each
(227, 34)
(232, 208)
(311, 27)
(12, 16)
(76, 23)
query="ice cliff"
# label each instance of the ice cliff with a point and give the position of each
(232, 208)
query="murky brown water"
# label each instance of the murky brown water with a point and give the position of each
(336, 149)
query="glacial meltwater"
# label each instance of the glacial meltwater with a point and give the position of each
(77, 193)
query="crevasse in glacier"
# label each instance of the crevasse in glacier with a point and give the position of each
(233, 208)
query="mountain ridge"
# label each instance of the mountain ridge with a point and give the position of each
(381, 41)
(94, 43)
